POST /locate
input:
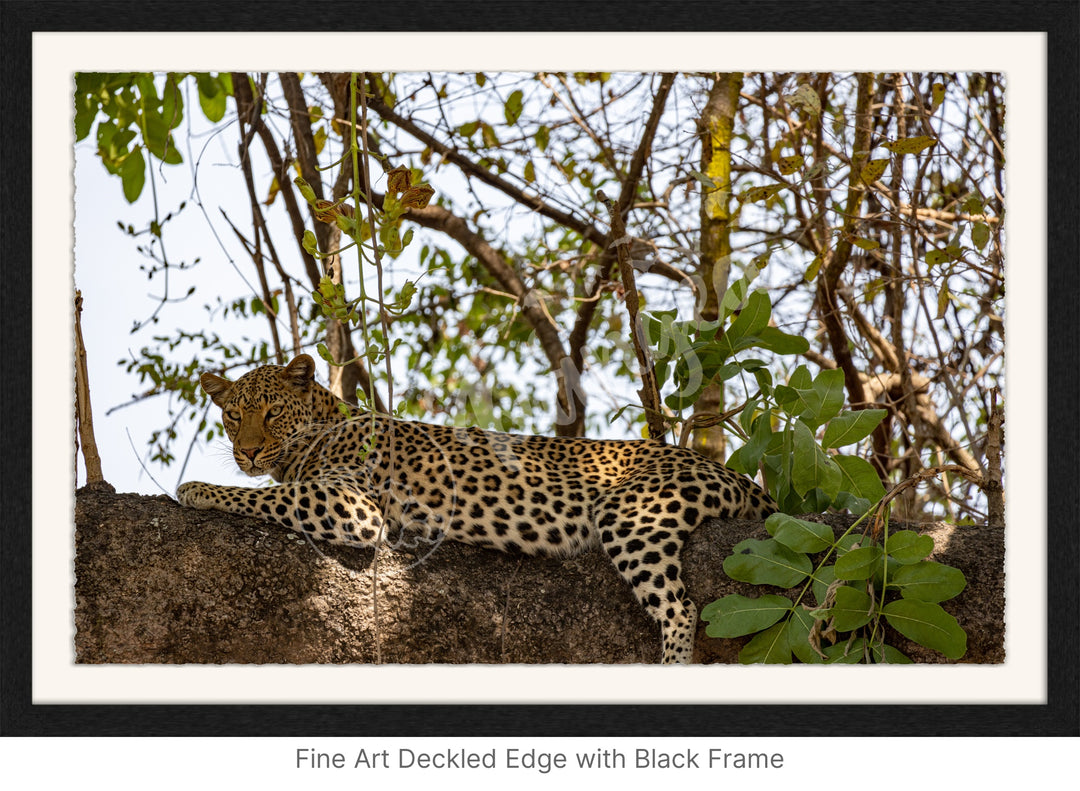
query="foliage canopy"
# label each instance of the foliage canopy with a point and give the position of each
(795, 244)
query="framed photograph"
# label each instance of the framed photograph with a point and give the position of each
(588, 284)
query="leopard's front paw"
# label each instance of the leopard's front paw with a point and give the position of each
(193, 494)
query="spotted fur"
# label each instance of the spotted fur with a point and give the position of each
(350, 481)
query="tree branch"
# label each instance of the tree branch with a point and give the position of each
(587, 310)
(472, 169)
(247, 109)
(547, 332)
(649, 392)
(835, 264)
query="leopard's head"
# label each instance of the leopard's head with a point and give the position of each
(265, 411)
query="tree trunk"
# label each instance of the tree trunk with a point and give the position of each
(157, 583)
(716, 125)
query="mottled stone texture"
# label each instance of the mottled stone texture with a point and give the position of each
(156, 583)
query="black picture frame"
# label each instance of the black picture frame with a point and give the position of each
(1059, 716)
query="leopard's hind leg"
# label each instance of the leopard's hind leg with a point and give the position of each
(643, 533)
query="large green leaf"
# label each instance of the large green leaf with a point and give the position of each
(927, 624)
(766, 563)
(859, 564)
(928, 581)
(768, 647)
(812, 467)
(825, 398)
(172, 101)
(850, 427)
(798, 634)
(735, 615)
(907, 546)
(853, 608)
(742, 332)
(886, 654)
(746, 458)
(823, 578)
(133, 175)
(798, 534)
(780, 342)
(846, 653)
(859, 478)
(211, 97)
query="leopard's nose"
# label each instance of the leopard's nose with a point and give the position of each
(251, 453)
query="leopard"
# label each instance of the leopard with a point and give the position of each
(354, 477)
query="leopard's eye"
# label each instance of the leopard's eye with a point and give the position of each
(275, 410)
(232, 414)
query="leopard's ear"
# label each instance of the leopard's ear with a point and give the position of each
(216, 387)
(300, 373)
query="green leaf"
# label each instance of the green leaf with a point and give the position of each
(936, 257)
(788, 165)
(815, 400)
(747, 418)
(305, 189)
(937, 95)
(980, 234)
(815, 502)
(512, 108)
(766, 563)
(846, 501)
(886, 654)
(853, 608)
(133, 175)
(928, 581)
(319, 138)
(873, 170)
(798, 534)
(859, 564)
(542, 137)
(735, 615)
(826, 398)
(859, 478)
(704, 180)
(768, 647)
(86, 111)
(973, 204)
(811, 466)
(805, 98)
(927, 624)
(846, 654)
(211, 97)
(823, 578)
(798, 634)
(910, 145)
(907, 546)
(747, 458)
(172, 102)
(813, 269)
(850, 427)
(780, 342)
(530, 172)
(760, 194)
(736, 292)
(751, 319)
(800, 378)
(660, 326)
